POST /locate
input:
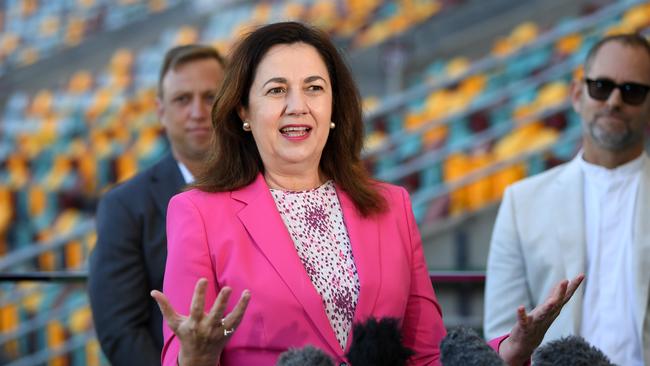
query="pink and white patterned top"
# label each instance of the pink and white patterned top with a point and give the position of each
(315, 221)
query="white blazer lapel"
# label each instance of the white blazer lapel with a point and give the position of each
(642, 246)
(569, 207)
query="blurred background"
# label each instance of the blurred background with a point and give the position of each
(461, 99)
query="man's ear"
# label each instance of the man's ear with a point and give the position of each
(160, 108)
(576, 93)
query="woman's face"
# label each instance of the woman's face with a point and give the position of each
(290, 108)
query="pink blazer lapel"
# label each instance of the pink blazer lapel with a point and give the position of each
(261, 219)
(364, 237)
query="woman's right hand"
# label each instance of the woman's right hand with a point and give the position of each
(203, 336)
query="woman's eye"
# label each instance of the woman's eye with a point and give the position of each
(277, 90)
(315, 88)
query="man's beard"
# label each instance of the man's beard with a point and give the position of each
(613, 141)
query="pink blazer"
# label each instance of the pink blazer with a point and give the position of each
(238, 239)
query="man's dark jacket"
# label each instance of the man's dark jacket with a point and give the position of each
(129, 261)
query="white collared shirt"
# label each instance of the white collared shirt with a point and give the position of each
(187, 175)
(609, 313)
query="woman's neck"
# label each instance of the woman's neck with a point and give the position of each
(294, 182)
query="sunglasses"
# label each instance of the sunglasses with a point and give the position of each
(631, 93)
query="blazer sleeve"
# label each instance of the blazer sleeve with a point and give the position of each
(422, 327)
(188, 260)
(506, 286)
(117, 286)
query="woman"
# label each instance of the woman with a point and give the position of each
(286, 216)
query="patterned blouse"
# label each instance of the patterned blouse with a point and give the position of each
(315, 221)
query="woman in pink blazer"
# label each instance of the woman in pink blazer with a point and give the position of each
(286, 217)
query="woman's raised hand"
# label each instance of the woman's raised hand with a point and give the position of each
(203, 336)
(530, 329)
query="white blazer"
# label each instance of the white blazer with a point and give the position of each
(539, 239)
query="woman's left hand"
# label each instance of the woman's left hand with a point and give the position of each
(530, 329)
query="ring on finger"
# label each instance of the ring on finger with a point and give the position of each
(228, 331)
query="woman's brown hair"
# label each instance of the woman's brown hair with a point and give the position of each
(234, 160)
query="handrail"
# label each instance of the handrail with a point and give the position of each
(45, 276)
(438, 277)
(576, 25)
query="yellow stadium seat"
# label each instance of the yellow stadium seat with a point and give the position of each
(455, 167)
(505, 177)
(121, 61)
(55, 339)
(49, 26)
(261, 13)
(551, 94)
(568, 44)
(435, 135)
(34, 298)
(87, 169)
(80, 82)
(294, 11)
(28, 8)
(86, 3)
(9, 317)
(37, 200)
(9, 320)
(524, 33)
(100, 143)
(42, 103)
(6, 210)
(74, 32)
(186, 35)
(479, 193)
(18, 171)
(637, 18)
(156, 6)
(28, 56)
(502, 47)
(9, 43)
(369, 103)
(323, 14)
(472, 86)
(457, 66)
(93, 353)
(66, 221)
(80, 320)
(126, 166)
(60, 169)
(99, 104)
(373, 140)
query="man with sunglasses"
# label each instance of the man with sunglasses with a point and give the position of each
(590, 215)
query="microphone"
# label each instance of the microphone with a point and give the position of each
(463, 347)
(306, 356)
(570, 351)
(378, 343)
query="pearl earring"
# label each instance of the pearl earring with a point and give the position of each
(246, 126)
(332, 125)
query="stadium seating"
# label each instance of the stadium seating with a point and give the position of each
(481, 125)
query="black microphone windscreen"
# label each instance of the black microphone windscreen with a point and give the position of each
(571, 350)
(378, 343)
(306, 356)
(464, 347)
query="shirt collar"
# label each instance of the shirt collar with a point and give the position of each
(187, 175)
(624, 171)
